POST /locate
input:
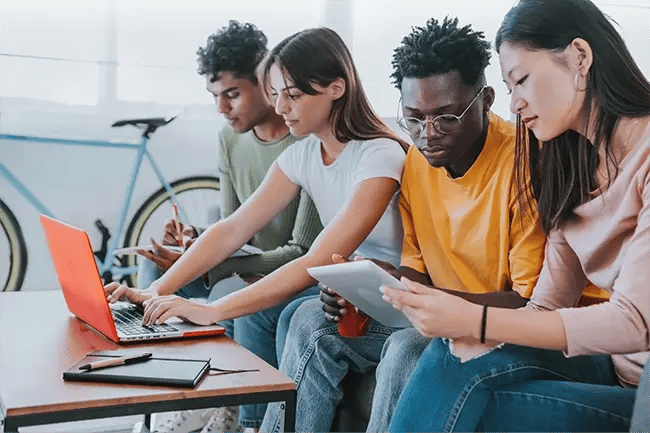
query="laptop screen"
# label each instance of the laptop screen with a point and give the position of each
(78, 275)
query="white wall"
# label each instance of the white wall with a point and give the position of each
(72, 67)
(380, 25)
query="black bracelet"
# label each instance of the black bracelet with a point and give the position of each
(483, 323)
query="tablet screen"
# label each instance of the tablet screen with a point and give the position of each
(358, 282)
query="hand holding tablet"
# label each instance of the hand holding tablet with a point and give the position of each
(358, 282)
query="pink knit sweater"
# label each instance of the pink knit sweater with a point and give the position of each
(607, 243)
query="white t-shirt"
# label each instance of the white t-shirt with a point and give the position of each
(330, 186)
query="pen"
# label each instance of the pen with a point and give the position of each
(131, 359)
(179, 238)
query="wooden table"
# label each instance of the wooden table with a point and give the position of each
(40, 338)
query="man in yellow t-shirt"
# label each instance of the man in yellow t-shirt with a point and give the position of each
(463, 229)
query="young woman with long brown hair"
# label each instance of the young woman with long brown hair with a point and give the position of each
(350, 164)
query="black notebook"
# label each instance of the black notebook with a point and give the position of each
(165, 371)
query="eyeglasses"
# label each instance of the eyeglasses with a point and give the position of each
(444, 123)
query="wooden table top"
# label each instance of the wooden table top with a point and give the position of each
(40, 339)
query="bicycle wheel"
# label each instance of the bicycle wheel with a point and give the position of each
(12, 245)
(197, 197)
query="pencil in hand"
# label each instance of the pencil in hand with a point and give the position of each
(179, 235)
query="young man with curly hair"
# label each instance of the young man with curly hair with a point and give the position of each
(254, 137)
(463, 230)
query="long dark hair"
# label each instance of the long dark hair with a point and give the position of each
(320, 56)
(563, 170)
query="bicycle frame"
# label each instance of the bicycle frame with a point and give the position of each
(142, 152)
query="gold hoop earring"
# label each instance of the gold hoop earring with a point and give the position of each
(577, 84)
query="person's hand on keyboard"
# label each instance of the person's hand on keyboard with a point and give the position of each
(160, 308)
(118, 292)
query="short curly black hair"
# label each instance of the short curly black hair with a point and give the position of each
(237, 48)
(441, 48)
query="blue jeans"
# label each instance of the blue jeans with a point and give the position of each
(546, 405)
(641, 416)
(257, 333)
(284, 322)
(317, 358)
(512, 388)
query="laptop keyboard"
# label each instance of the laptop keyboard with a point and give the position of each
(129, 321)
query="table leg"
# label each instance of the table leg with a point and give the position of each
(290, 413)
(3, 428)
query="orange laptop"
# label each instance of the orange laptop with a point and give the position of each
(83, 290)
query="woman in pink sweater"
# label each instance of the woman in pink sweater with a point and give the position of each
(583, 115)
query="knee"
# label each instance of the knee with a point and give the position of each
(308, 320)
(306, 325)
(306, 330)
(402, 351)
(283, 325)
(406, 344)
(287, 313)
(435, 358)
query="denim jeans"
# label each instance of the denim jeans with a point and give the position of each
(317, 358)
(399, 357)
(512, 388)
(285, 320)
(256, 332)
(641, 416)
(547, 405)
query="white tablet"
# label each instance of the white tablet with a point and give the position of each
(359, 282)
(245, 250)
(149, 247)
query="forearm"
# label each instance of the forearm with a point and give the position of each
(258, 264)
(544, 330)
(501, 299)
(271, 290)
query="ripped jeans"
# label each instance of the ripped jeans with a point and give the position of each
(512, 388)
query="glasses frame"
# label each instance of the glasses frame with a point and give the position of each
(435, 121)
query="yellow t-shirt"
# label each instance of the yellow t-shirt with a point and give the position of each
(467, 233)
